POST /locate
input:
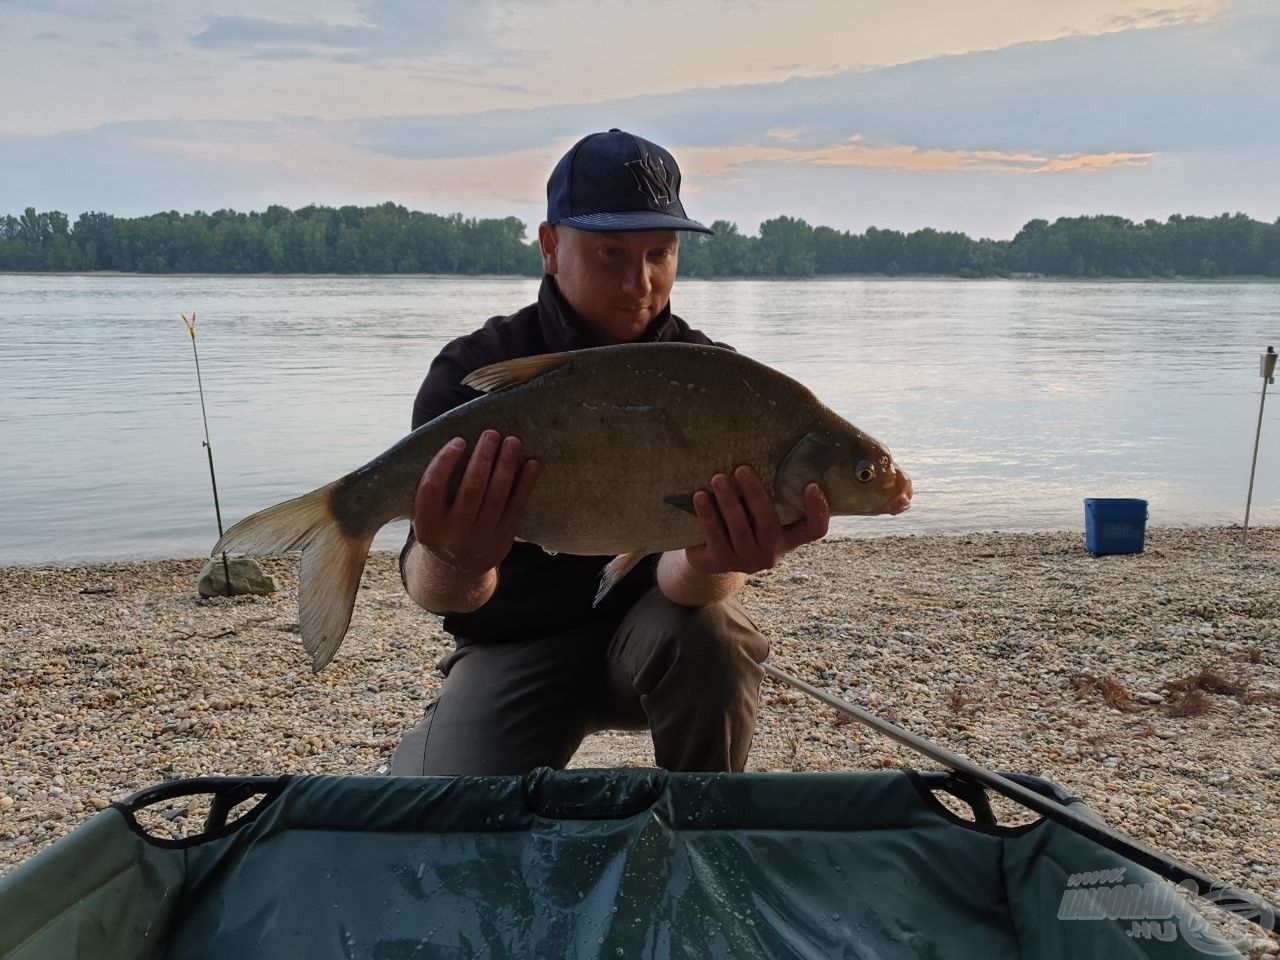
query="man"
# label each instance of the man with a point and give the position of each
(536, 667)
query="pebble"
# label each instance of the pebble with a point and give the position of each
(971, 641)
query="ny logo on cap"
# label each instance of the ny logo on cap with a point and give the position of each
(652, 178)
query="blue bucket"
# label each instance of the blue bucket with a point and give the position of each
(1116, 525)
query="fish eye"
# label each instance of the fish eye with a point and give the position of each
(865, 471)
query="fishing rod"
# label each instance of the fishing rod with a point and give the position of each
(1237, 901)
(1267, 367)
(208, 447)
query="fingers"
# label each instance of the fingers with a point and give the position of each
(750, 517)
(764, 515)
(717, 543)
(741, 535)
(741, 525)
(817, 519)
(474, 532)
(488, 483)
(475, 481)
(498, 491)
(817, 510)
(431, 499)
(519, 499)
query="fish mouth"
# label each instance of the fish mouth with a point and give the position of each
(900, 502)
(897, 493)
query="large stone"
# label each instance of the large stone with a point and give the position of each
(246, 577)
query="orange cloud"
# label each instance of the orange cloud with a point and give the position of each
(723, 161)
(1144, 18)
(445, 184)
(317, 166)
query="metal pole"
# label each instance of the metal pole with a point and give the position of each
(208, 447)
(1267, 369)
(1233, 899)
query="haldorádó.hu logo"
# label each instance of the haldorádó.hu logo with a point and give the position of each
(1156, 909)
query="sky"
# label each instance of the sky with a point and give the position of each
(974, 116)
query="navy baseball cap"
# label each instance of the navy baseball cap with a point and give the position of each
(616, 181)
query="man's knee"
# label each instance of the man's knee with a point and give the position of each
(701, 687)
(716, 636)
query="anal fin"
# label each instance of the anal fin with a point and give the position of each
(614, 571)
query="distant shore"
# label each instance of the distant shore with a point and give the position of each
(1148, 685)
(683, 278)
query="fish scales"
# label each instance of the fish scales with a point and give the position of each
(665, 425)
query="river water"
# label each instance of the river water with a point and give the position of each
(1007, 401)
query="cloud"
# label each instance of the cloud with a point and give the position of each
(719, 161)
(309, 158)
(142, 168)
(385, 29)
(980, 142)
(783, 133)
(477, 84)
(89, 12)
(254, 35)
(1120, 93)
(1146, 17)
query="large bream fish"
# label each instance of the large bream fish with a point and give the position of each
(625, 435)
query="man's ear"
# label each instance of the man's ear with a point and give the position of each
(549, 241)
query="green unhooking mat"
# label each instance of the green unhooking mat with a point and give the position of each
(630, 863)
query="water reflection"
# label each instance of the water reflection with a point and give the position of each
(1009, 402)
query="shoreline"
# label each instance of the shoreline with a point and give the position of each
(1021, 278)
(1018, 650)
(70, 564)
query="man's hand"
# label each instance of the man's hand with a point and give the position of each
(465, 536)
(743, 532)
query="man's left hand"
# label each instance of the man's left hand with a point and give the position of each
(743, 531)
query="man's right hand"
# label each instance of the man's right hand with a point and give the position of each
(471, 531)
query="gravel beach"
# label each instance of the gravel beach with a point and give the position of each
(1147, 685)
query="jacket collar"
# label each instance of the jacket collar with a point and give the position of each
(564, 329)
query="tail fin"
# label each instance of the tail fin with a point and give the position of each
(332, 563)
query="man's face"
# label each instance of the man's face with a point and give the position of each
(618, 282)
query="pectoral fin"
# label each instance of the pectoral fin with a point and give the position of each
(510, 373)
(614, 571)
(808, 461)
(681, 501)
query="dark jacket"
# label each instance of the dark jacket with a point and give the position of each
(537, 594)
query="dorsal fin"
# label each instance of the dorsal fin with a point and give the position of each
(509, 373)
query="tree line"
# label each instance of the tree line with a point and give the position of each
(392, 239)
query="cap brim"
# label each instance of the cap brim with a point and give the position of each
(638, 220)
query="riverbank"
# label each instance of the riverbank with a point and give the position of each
(817, 278)
(1147, 685)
